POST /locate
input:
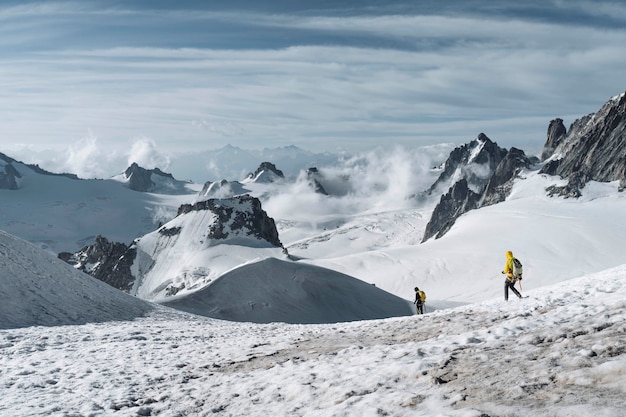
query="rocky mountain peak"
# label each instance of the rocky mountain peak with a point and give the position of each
(151, 180)
(266, 172)
(556, 132)
(236, 216)
(109, 262)
(481, 173)
(313, 177)
(9, 178)
(474, 161)
(594, 149)
(197, 228)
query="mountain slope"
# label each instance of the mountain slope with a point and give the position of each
(274, 290)
(37, 289)
(559, 353)
(59, 213)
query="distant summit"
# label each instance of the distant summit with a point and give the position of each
(10, 174)
(221, 189)
(265, 173)
(151, 180)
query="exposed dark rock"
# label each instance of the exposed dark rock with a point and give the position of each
(256, 223)
(313, 175)
(152, 180)
(594, 149)
(501, 182)
(266, 167)
(139, 179)
(458, 200)
(556, 132)
(486, 174)
(169, 232)
(8, 179)
(109, 262)
(474, 161)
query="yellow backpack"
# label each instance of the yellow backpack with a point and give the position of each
(422, 295)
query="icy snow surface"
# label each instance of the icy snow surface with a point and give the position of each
(560, 352)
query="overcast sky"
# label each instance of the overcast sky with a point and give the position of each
(336, 75)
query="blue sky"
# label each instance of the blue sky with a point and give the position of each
(337, 75)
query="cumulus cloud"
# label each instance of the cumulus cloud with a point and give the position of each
(380, 180)
(144, 153)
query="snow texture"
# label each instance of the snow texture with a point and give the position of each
(561, 352)
(36, 289)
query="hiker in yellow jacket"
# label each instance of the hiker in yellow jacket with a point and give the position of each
(510, 280)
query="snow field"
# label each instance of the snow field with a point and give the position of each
(561, 352)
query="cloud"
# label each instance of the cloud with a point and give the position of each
(381, 180)
(144, 152)
(352, 81)
(85, 158)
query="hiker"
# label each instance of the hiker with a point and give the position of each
(420, 299)
(511, 277)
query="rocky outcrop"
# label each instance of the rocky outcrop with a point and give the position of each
(152, 180)
(109, 262)
(556, 133)
(313, 176)
(231, 220)
(475, 162)
(8, 179)
(501, 182)
(221, 189)
(458, 200)
(266, 172)
(120, 265)
(594, 149)
(481, 174)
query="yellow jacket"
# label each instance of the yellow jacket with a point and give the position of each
(508, 266)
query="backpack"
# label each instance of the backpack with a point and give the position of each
(517, 268)
(422, 295)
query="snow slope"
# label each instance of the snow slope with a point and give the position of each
(37, 289)
(184, 255)
(559, 353)
(61, 214)
(557, 239)
(274, 290)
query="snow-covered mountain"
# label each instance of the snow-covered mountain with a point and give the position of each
(592, 150)
(151, 180)
(558, 352)
(234, 163)
(61, 213)
(475, 175)
(37, 289)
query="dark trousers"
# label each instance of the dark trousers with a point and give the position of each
(510, 284)
(419, 307)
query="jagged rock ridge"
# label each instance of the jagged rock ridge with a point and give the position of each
(196, 228)
(109, 262)
(152, 180)
(480, 173)
(255, 222)
(266, 172)
(594, 149)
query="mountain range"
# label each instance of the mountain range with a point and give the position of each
(157, 238)
(314, 260)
